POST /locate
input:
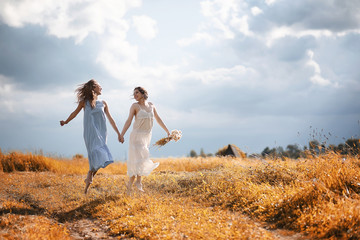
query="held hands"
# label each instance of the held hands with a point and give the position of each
(121, 138)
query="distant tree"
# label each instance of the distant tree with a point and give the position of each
(341, 149)
(255, 155)
(265, 152)
(272, 153)
(202, 153)
(279, 151)
(78, 156)
(314, 147)
(293, 151)
(350, 147)
(193, 153)
(353, 146)
(332, 147)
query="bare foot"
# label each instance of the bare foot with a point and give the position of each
(128, 189)
(139, 186)
(87, 182)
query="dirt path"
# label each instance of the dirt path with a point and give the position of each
(88, 229)
(283, 234)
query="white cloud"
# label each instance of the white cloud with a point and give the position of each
(224, 20)
(227, 18)
(256, 11)
(318, 19)
(225, 30)
(197, 38)
(77, 19)
(6, 92)
(222, 9)
(67, 18)
(116, 55)
(284, 31)
(18, 13)
(5, 86)
(17, 101)
(317, 79)
(224, 16)
(270, 2)
(281, 32)
(241, 24)
(197, 117)
(145, 26)
(235, 76)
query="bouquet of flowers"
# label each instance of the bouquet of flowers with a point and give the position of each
(174, 135)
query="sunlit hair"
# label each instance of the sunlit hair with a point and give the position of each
(85, 92)
(143, 92)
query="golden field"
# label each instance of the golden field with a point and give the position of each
(186, 198)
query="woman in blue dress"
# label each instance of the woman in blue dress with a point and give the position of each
(95, 132)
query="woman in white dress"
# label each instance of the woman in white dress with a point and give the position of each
(95, 132)
(139, 163)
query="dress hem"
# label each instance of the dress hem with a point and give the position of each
(102, 166)
(145, 174)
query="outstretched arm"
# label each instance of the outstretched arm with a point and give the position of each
(129, 120)
(73, 114)
(160, 122)
(111, 120)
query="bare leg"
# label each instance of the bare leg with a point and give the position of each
(88, 180)
(139, 184)
(129, 185)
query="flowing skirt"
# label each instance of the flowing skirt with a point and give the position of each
(139, 162)
(95, 133)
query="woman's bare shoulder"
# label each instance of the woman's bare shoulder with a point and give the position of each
(82, 103)
(135, 105)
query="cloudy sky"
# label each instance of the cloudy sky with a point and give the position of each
(253, 73)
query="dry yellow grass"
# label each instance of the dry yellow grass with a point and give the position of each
(213, 198)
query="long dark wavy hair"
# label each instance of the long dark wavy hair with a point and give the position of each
(143, 92)
(85, 92)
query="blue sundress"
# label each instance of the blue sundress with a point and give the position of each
(95, 135)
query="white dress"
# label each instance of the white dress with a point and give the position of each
(139, 162)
